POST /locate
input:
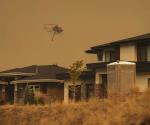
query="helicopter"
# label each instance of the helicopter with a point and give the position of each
(54, 29)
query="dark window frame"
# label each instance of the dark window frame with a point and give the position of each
(148, 82)
(100, 56)
(112, 56)
(142, 53)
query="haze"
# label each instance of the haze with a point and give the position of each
(86, 23)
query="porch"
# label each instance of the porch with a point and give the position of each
(49, 90)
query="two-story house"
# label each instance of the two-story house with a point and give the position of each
(135, 49)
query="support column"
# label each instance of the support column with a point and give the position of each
(4, 93)
(66, 93)
(15, 93)
(83, 92)
(97, 88)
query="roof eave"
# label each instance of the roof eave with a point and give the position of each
(91, 51)
(38, 81)
(16, 74)
(115, 43)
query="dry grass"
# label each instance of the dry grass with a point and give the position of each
(131, 110)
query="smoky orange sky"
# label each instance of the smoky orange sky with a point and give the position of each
(86, 23)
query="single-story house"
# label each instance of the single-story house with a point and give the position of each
(38, 78)
(50, 80)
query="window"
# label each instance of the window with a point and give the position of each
(149, 83)
(110, 56)
(148, 53)
(77, 92)
(142, 53)
(107, 56)
(89, 90)
(0, 91)
(20, 91)
(100, 56)
(35, 88)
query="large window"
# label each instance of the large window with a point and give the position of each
(110, 56)
(100, 56)
(35, 88)
(142, 53)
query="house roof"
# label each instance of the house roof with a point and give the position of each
(39, 72)
(136, 39)
(28, 69)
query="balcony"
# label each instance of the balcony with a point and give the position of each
(140, 66)
(97, 65)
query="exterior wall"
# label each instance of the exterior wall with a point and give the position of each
(142, 81)
(67, 91)
(51, 91)
(128, 52)
(86, 89)
(55, 92)
(98, 81)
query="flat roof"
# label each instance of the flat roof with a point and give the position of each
(121, 63)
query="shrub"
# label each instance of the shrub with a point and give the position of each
(126, 110)
(29, 96)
